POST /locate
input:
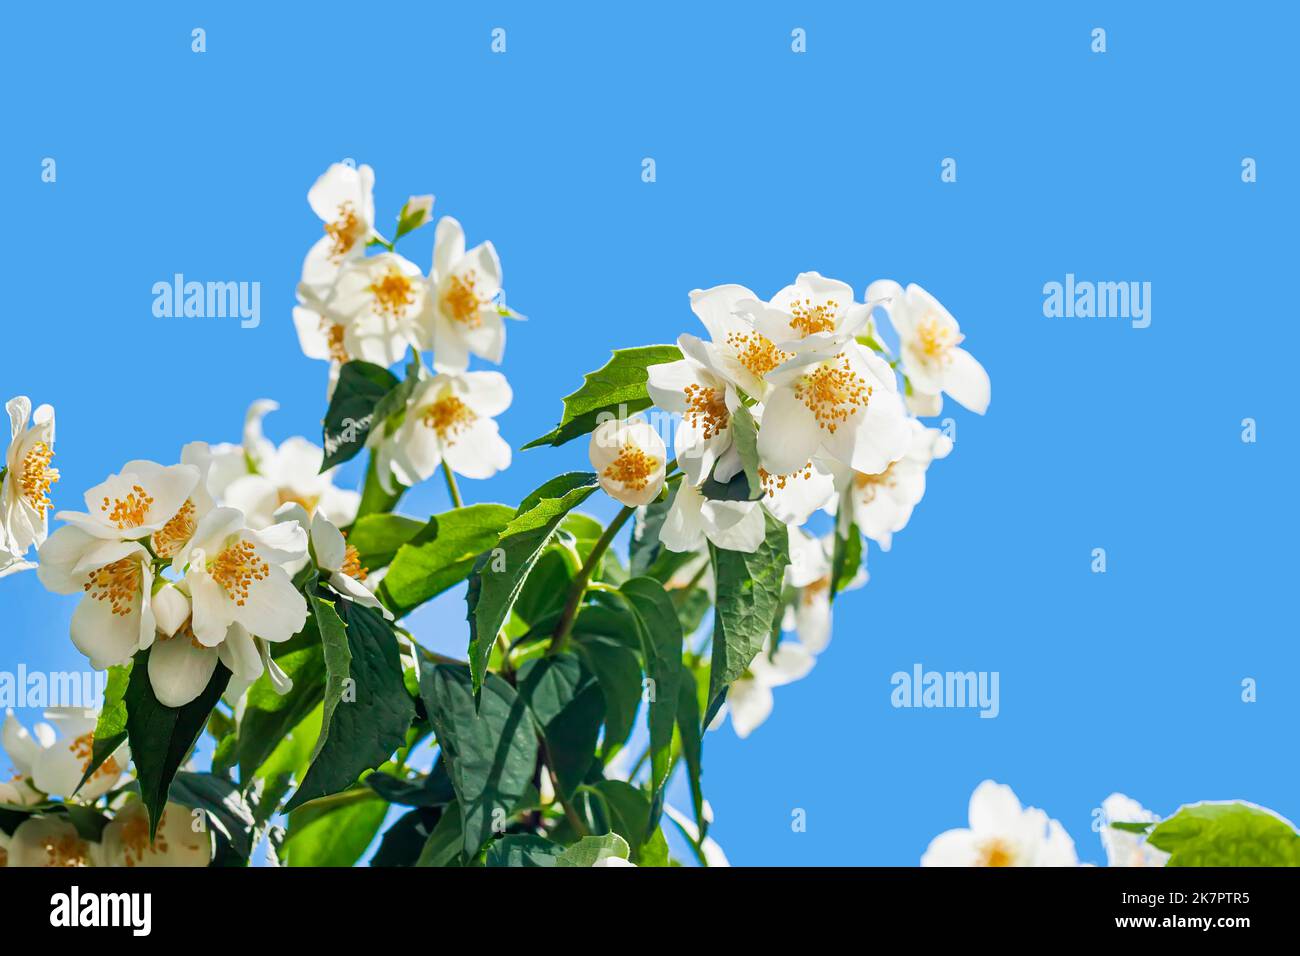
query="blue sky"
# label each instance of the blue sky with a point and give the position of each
(1122, 166)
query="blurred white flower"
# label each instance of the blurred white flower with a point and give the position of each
(181, 840)
(449, 417)
(257, 477)
(692, 519)
(49, 840)
(629, 458)
(25, 479)
(1124, 848)
(1002, 833)
(881, 504)
(50, 763)
(749, 701)
(467, 310)
(930, 340)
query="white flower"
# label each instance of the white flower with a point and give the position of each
(338, 561)
(737, 350)
(181, 840)
(343, 197)
(1002, 833)
(629, 458)
(713, 854)
(749, 701)
(706, 400)
(257, 477)
(235, 575)
(52, 764)
(692, 518)
(449, 417)
(377, 303)
(466, 315)
(881, 504)
(843, 406)
(809, 574)
(813, 313)
(25, 480)
(1124, 848)
(321, 331)
(929, 340)
(49, 841)
(794, 497)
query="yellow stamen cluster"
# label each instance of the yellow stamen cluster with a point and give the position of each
(66, 850)
(995, 852)
(393, 293)
(773, 483)
(812, 592)
(333, 333)
(288, 496)
(128, 512)
(706, 408)
(461, 302)
(833, 393)
(117, 583)
(869, 485)
(756, 352)
(135, 838)
(632, 468)
(935, 339)
(236, 569)
(168, 539)
(352, 564)
(344, 231)
(448, 416)
(83, 748)
(807, 318)
(36, 476)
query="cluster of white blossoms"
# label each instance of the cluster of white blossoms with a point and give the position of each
(50, 761)
(1004, 833)
(806, 378)
(374, 308)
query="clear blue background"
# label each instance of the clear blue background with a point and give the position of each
(1122, 166)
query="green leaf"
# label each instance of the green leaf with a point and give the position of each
(616, 389)
(690, 733)
(619, 672)
(443, 847)
(591, 849)
(440, 555)
(161, 737)
(110, 728)
(490, 754)
(434, 790)
(268, 716)
(566, 701)
(286, 764)
(746, 484)
(644, 547)
(351, 411)
(369, 719)
(405, 839)
(1227, 834)
(333, 833)
(1133, 827)
(500, 576)
(748, 589)
(408, 220)
(630, 811)
(229, 816)
(661, 649)
(374, 499)
(523, 849)
(378, 536)
(846, 560)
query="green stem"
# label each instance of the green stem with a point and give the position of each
(579, 586)
(451, 485)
